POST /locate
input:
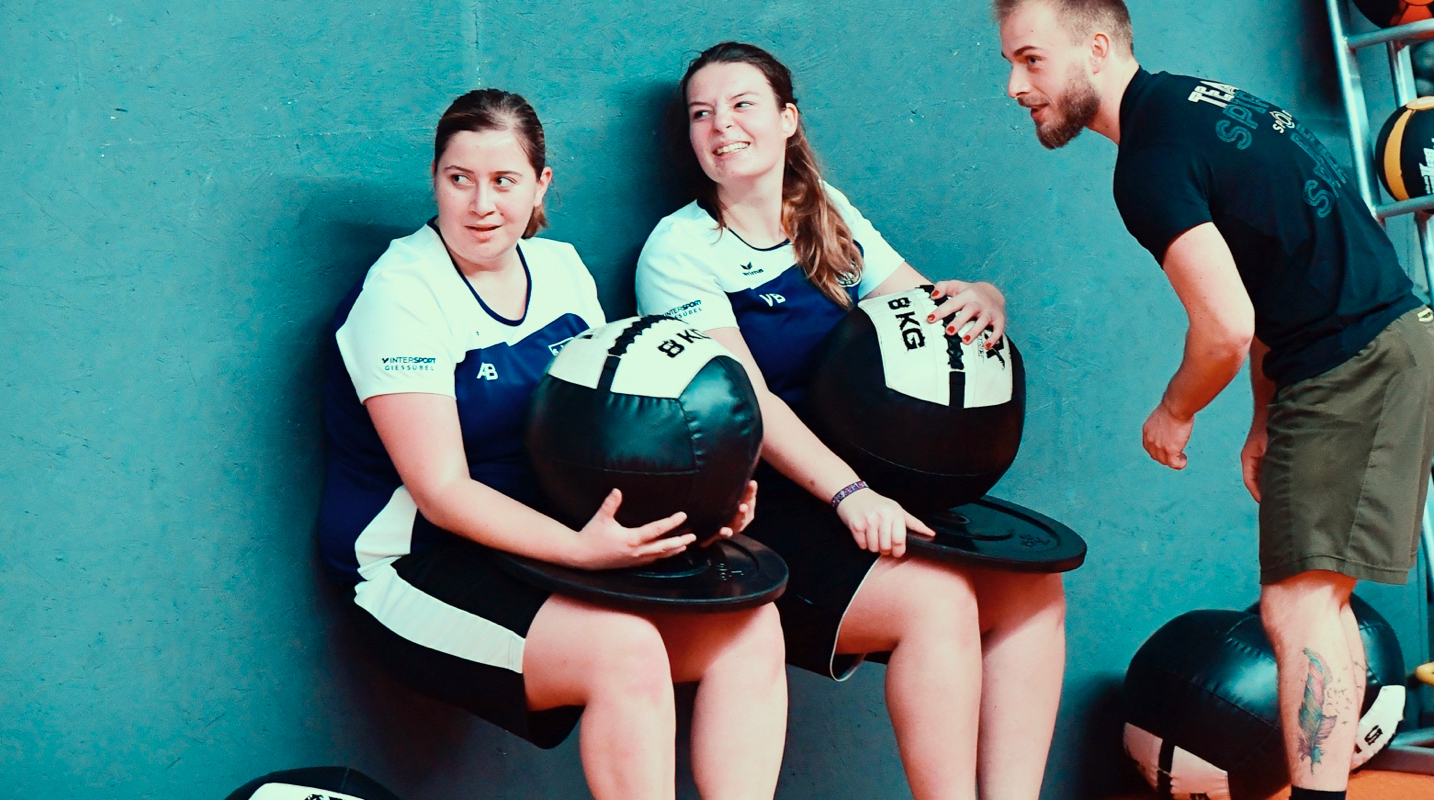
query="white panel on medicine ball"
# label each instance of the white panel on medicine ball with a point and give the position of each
(988, 371)
(1190, 775)
(1377, 726)
(913, 351)
(660, 362)
(914, 358)
(581, 360)
(288, 791)
(1144, 748)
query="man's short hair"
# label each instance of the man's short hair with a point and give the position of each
(1082, 18)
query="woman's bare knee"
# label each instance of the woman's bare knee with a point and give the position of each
(752, 639)
(1010, 599)
(578, 652)
(762, 644)
(915, 598)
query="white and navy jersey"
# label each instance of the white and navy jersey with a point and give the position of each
(415, 325)
(708, 277)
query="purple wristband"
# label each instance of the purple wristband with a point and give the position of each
(852, 489)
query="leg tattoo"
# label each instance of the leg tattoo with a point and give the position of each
(1316, 722)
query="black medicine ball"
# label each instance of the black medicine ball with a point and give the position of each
(1404, 151)
(1388, 13)
(313, 783)
(654, 408)
(1202, 709)
(924, 418)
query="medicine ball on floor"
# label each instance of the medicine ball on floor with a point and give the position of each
(313, 783)
(926, 419)
(1201, 716)
(1402, 152)
(1202, 709)
(662, 412)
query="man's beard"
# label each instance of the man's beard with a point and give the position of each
(1074, 110)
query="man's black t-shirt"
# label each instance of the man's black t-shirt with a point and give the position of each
(1321, 273)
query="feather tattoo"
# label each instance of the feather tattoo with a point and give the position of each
(1315, 724)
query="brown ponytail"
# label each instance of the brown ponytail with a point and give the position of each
(820, 237)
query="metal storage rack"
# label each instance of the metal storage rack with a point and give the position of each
(1411, 751)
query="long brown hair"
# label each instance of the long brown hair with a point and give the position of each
(820, 237)
(496, 110)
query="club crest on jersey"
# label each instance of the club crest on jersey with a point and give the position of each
(488, 372)
(847, 280)
(557, 347)
(773, 299)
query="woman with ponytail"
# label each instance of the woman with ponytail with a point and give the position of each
(766, 260)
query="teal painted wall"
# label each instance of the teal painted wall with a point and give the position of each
(188, 193)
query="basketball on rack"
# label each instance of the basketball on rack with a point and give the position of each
(1401, 155)
(1388, 13)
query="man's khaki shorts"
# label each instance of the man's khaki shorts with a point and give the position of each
(1343, 481)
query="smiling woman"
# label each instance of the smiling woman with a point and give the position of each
(973, 653)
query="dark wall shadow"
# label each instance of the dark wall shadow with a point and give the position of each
(1316, 56)
(1105, 770)
(658, 169)
(388, 730)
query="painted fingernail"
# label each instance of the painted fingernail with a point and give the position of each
(930, 317)
(966, 339)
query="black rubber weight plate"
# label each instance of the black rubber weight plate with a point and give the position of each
(995, 533)
(729, 575)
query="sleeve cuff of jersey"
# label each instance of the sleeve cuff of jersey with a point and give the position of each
(389, 387)
(877, 270)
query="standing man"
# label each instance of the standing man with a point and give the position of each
(1274, 254)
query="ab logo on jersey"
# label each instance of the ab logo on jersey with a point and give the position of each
(772, 300)
(488, 372)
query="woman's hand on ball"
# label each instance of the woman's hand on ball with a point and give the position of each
(979, 302)
(878, 523)
(746, 511)
(604, 543)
